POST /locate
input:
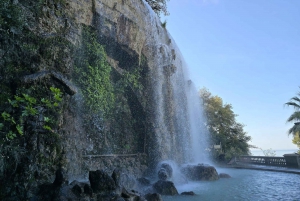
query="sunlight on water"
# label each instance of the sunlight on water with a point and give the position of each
(244, 185)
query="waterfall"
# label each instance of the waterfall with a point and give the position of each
(178, 115)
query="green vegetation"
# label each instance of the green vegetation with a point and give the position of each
(224, 128)
(295, 118)
(164, 24)
(26, 107)
(28, 134)
(30, 113)
(93, 73)
(296, 141)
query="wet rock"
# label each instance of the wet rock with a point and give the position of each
(60, 177)
(165, 188)
(131, 195)
(168, 169)
(116, 175)
(66, 84)
(47, 191)
(88, 190)
(144, 181)
(76, 189)
(153, 197)
(224, 175)
(162, 174)
(100, 181)
(188, 193)
(200, 172)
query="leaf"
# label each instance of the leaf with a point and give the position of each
(30, 99)
(13, 120)
(31, 110)
(10, 135)
(47, 127)
(5, 116)
(14, 103)
(25, 113)
(19, 129)
(1, 126)
(19, 99)
(47, 119)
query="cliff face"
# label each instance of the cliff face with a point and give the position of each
(113, 70)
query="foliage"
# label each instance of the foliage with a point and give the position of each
(295, 117)
(130, 79)
(159, 6)
(28, 138)
(26, 107)
(92, 73)
(296, 141)
(223, 126)
(164, 24)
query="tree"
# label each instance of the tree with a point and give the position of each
(296, 141)
(295, 117)
(223, 126)
(159, 6)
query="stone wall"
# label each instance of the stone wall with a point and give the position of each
(132, 164)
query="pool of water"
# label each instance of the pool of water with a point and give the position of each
(244, 185)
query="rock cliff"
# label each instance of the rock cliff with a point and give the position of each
(118, 91)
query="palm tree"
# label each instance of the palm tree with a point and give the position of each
(295, 117)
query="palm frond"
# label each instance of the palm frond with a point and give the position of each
(296, 98)
(295, 129)
(295, 117)
(296, 106)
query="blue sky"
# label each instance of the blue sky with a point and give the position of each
(246, 52)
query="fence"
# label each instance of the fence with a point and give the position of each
(261, 160)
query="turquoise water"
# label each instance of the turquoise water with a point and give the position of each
(244, 185)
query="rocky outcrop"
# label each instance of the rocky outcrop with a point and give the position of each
(153, 197)
(224, 175)
(99, 187)
(165, 188)
(142, 117)
(188, 193)
(200, 172)
(101, 181)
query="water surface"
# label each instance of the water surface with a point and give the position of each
(244, 185)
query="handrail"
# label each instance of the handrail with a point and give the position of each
(112, 155)
(262, 160)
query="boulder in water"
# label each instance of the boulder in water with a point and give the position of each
(224, 175)
(165, 188)
(188, 193)
(200, 172)
(153, 197)
(100, 181)
(162, 174)
(168, 169)
(131, 195)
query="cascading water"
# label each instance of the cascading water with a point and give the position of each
(199, 133)
(179, 120)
